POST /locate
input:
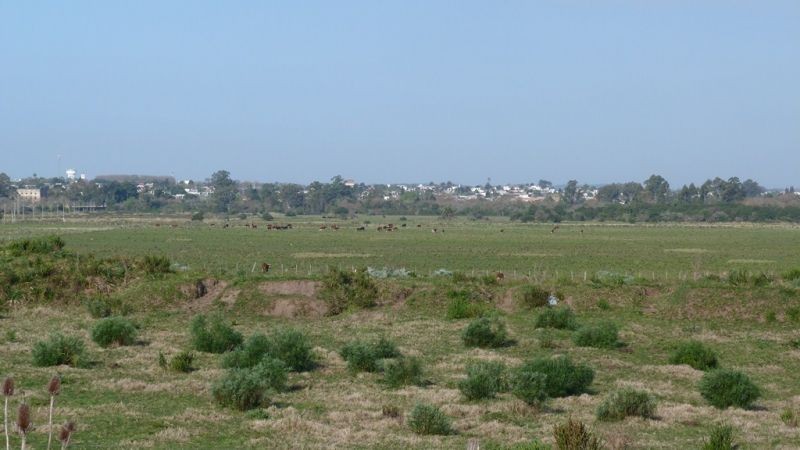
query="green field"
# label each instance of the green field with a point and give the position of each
(125, 400)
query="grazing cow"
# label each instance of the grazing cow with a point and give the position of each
(502, 230)
(323, 227)
(419, 225)
(158, 224)
(434, 230)
(335, 227)
(265, 267)
(403, 225)
(174, 225)
(500, 276)
(226, 226)
(362, 228)
(554, 229)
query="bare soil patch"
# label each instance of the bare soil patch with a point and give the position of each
(301, 288)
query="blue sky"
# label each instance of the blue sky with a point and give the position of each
(403, 91)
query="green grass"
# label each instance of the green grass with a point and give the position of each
(121, 398)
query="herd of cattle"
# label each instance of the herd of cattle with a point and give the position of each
(270, 226)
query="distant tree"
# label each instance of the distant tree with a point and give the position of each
(545, 184)
(5, 185)
(657, 188)
(752, 188)
(571, 192)
(448, 213)
(225, 192)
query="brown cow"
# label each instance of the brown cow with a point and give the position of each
(362, 228)
(499, 276)
(265, 267)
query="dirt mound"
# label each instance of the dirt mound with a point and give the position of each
(299, 288)
(203, 293)
(508, 302)
(297, 307)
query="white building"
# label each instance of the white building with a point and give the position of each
(30, 195)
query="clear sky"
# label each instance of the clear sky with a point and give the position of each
(403, 91)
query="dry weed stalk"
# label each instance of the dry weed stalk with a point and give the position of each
(66, 434)
(24, 424)
(8, 391)
(53, 388)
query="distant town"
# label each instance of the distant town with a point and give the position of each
(650, 200)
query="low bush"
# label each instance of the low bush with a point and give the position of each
(182, 362)
(249, 354)
(198, 216)
(463, 308)
(342, 289)
(564, 378)
(574, 435)
(59, 349)
(427, 419)
(250, 387)
(155, 265)
(42, 245)
(484, 380)
(790, 417)
(560, 317)
(529, 386)
(114, 330)
(627, 402)
(602, 335)
(364, 356)
(533, 296)
(402, 371)
(98, 308)
(791, 275)
(294, 349)
(694, 354)
(485, 333)
(725, 387)
(720, 438)
(213, 335)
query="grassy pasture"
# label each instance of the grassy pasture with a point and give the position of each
(126, 400)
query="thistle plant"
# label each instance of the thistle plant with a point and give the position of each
(8, 391)
(66, 434)
(24, 424)
(53, 388)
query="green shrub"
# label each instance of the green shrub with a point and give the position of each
(427, 419)
(182, 362)
(574, 435)
(42, 245)
(694, 354)
(560, 317)
(364, 356)
(533, 296)
(603, 304)
(251, 353)
(564, 378)
(462, 308)
(485, 333)
(737, 277)
(529, 386)
(342, 289)
(793, 313)
(98, 308)
(198, 216)
(294, 349)
(251, 387)
(720, 438)
(770, 317)
(213, 335)
(792, 275)
(114, 330)
(59, 349)
(627, 402)
(155, 265)
(602, 335)
(267, 217)
(724, 387)
(402, 371)
(484, 380)
(790, 417)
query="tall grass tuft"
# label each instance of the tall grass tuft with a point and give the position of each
(627, 402)
(602, 335)
(560, 317)
(574, 435)
(65, 434)
(720, 438)
(564, 378)
(114, 330)
(402, 371)
(485, 333)
(725, 387)
(59, 349)
(694, 354)
(426, 419)
(250, 387)
(342, 289)
(484, 380)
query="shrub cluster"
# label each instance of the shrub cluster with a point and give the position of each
(98, 307)
(213, 335)
(485, 379)
(574, 435)
(602, 335)
(288, 345)
(529, 386)
(42, 245)
(342, 289)
(155, 265)
(464, 304)
(725, 387)
(402, 371)
(182, 362)
(694, 354)
(627, 402)
(427, 419)
(59, 349)
(250, 387)
(532, 296)
(720, 438)
(114, 330)
(563, 377)
(485, 333)
(364, 356)
(560, 317)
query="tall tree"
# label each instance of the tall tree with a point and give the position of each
(225, 192)
(657, 187)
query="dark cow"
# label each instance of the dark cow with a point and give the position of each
(362, 228)
(265, 267)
